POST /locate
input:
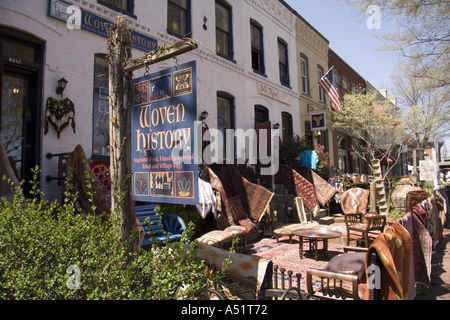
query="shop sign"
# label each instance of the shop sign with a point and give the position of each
(318, 121)
(77, 18)
(273, 93)
(163, 126)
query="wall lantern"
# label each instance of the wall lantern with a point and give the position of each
(62, 83)
(204, 115)
(276, 126)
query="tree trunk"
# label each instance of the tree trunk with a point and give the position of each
(122, 207)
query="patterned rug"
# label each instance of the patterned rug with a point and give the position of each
(286, 256)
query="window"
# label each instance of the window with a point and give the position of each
(287, 125)
(320, 74)
(345, 85)
(178, 17)
(257, 47)
(283, 62)
(123, 6)
(100, 136)
(305, 74)
(224, 44)
(225, 117)
(261, 114)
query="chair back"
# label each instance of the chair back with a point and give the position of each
(353, 218)
(376, 223)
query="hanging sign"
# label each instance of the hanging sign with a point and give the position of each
(164, 112)
(318, 121)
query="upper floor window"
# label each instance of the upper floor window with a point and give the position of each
(305, 74)
(283, 62)
(256, 33)
(123, 6)
(178, 17)
(224, 44)
(320, 75)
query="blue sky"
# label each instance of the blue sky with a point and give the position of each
(350, 37)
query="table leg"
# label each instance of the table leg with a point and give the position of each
(325, 248)
(314, 248)
(301, 246)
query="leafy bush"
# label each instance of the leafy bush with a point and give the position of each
(291, 148)
(40, 240)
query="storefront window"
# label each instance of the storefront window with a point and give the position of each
(100, 137)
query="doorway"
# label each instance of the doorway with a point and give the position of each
(21, 102)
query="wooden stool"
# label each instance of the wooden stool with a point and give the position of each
(240, 232)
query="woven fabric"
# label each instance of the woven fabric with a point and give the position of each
(354, 200)
(415, 197)
(243, 277)
(393, 247)
(255, 198)
(324, 191)
(297, 185)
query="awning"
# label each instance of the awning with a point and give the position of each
(445, 164)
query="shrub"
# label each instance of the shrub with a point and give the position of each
(40, 240)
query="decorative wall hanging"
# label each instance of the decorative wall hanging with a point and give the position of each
(58, 114)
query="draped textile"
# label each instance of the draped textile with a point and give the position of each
(433, 222)
(355, 200)
(101, 196)
(229, 182)
(59, 113)
(207, 199)
(244, 276)
(421, 250)
(393, 248)
(415, 197)
(323, 190)
(297, 185)
(6, 170)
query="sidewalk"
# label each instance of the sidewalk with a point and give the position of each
(440, 271)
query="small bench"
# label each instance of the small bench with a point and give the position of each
(158, 228)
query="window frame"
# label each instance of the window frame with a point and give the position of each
(259, 51)
(230, 54)
(262, 110)
(226, 96)
(129, 11)
(284, 44)
(187, 26)
(322, 95)
(289, 131)
(305, 77)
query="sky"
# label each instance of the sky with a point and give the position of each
(350, 37)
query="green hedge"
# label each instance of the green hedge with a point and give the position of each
(41, 240)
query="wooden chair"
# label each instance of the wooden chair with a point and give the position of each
(364, 231)
(340, 285)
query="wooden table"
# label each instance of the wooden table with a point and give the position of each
(315, 235)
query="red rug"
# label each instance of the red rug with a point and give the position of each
(286, 256)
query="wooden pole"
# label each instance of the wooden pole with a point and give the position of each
(161, 54)
(122, 207)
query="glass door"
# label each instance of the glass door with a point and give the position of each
(18, 131)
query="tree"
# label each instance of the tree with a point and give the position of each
(370, 121)
(422, 37)
(425, 108)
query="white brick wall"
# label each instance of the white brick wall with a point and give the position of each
(70, 53)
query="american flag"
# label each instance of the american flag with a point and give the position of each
(328, 83)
